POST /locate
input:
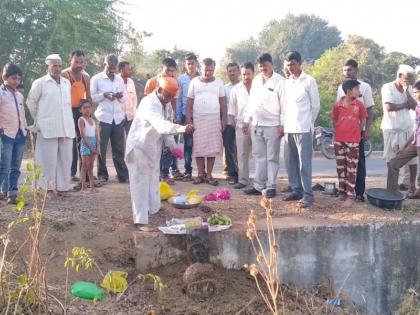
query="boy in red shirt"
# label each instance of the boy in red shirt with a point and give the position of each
(349, 118)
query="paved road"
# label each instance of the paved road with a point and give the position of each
(321, 167)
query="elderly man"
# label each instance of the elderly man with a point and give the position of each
(397, 125)
(152, 129)
(300, 112)
(350, 71)
(49, 103)
(264, 111)
(408, 152)
(107, 89)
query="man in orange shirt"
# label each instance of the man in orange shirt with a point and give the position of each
(168, 70)
(80, 89)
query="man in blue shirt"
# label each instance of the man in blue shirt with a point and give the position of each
(184, 80)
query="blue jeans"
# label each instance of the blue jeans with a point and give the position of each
(10, 161)
(299, 167)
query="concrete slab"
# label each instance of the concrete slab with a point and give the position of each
(372, 263)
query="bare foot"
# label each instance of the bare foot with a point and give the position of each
(348, 202)
(85, 191)
(51, 194)
(93, 190)
(144, 228)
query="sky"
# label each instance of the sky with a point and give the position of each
(208, 27)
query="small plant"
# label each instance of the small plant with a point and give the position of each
(82, 257)
(23, 286)
(265, 270)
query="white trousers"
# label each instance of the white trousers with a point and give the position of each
(55, 156)
(145, 196)
(243, 147)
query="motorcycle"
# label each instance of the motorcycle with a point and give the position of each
(324, 141)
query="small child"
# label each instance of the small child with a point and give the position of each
(89, 145)
(349, 118)
(12, 132)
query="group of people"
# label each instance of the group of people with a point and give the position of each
(68, 139)
(250, 114)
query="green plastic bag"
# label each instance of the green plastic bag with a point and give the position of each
(87, 290)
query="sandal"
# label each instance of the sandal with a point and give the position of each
(177, 175)
(187, 177)
(212, 181)
(232, 180)
(199, 180)
(167, 179)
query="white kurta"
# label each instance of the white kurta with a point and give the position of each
(151, 129)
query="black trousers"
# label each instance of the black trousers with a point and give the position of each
(76, 143)
(230, 148)
(115, 133)
(361, 171)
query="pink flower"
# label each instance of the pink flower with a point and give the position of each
(210, 197)
(178, 153)
(223, 194)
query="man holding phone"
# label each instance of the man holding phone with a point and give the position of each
(107, 90)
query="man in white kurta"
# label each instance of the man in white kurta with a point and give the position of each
(151, 130)
(49, 102)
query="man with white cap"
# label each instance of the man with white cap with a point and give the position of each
(107, 89)
(397, 125)
(152, 129)
(49, 103)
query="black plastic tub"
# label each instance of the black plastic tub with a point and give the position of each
(385, 198)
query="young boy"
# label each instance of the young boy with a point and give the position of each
(12, 132)
(410, 150)
(349, 118)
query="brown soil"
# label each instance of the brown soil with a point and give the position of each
(103, 222)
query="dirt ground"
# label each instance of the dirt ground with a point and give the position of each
(103, 222)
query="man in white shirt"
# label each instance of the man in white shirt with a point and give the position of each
(107, 89)
(130, 104)
(300, 112)
(49, 103)
(350, 71)
(230, 157)
(266, 98)
(237, 106)
(397, 125)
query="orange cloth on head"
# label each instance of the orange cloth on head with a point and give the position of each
(168, 84)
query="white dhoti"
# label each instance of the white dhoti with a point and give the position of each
(55, 157)
(145, 196)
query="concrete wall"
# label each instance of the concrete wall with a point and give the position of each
(373, 264)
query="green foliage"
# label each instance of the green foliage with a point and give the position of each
(308, 34)
(80, 257)
(327, 100)
(33, 29)
(241, 52)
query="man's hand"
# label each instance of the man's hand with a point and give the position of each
(190, 129)
(366, 134)
(109, 96)
(245, 129)
(280, 131)
(223, 125)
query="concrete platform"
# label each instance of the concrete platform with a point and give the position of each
(372, 263)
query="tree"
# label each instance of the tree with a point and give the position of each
(327, 70)
(308, 34)
(33, 29)
(241, 52)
